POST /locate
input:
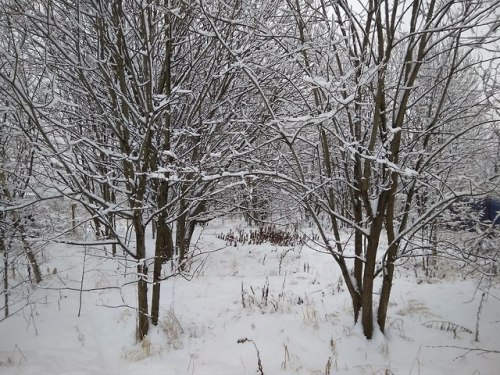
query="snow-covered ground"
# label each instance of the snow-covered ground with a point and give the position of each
(302, 326)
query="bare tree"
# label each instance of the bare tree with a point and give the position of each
(363, 113)
(136, 117)
(381, 111)
(19, 193)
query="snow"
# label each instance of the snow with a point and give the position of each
(408, 172)
(302, 327)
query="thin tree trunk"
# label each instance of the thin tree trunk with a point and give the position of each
(392, 251)
(111, 227)
(386, 287)
(368, 277)
(142, 295)
(142, 284)
(181, 234)
(358, 251)
(3, 250)
(30, 255)
(367, 296)
(162, 254)
(34, 265)
(356, 296)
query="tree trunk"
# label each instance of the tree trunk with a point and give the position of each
(357, 206)
(163, 253)
(30, 255)
(392, 252)
(142, 284)
(180, 234)
(142, 296)
(184, 241)
(34, 265)
(369, 275)
(367, 296)
(386, 287)
(3, 250)
(110, 229)
(358, 262)
(354, 292)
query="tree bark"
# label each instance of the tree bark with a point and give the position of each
(142, 284)
(3, 250)
(369, 276)
(34, 265)
(163, 253)
(392, 251)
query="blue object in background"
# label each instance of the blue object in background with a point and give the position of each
(467, 212)
(492, 209)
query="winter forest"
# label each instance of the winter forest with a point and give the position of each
(249, 187)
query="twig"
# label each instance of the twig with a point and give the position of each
(259, 363)
(480, 308)
(468, 350)
(85, 290)
(81, 281)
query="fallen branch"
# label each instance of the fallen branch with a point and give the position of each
(467, 350)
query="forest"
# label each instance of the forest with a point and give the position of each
(355, 140)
